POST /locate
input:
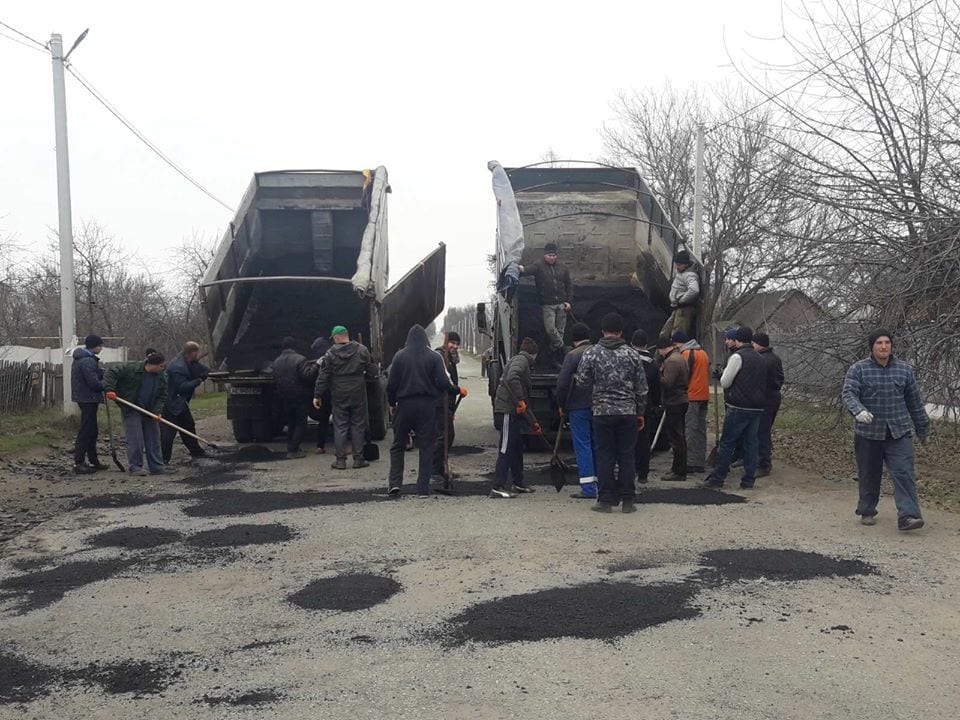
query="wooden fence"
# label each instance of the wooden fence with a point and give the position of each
(29, 385)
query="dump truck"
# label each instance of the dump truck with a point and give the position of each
(307, 250)
(613, 236)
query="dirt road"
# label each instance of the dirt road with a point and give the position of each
(285, 589)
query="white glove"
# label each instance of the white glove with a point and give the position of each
(864, 416)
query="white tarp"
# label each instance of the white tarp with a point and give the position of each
(372, 273)
(509, 226)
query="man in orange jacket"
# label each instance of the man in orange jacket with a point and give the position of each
(698, 396)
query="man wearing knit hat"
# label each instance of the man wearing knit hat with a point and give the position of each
(698, 395)
(575, 402)
(86, 390)
(555, 293)
(674, 380)
(761, 343)
(684, 295)
(882, 395)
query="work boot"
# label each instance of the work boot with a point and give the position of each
(673, 477)
(909, 523)
(165, 470)
(868, 519)
(710, 483)
(138, 472)
(602, 507)
(296, 455)
(339, 464)
(393, 490)
(521, 489)
(359, 462)
(97, 465)
(497, 493)
(629, 506)
(763, 472)
(82, 469)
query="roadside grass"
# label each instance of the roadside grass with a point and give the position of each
(24, 431)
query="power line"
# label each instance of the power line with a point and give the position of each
(112, 109)
(24, 35)
(21, 42)
(823, 67)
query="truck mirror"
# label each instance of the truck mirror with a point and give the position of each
(482, 319)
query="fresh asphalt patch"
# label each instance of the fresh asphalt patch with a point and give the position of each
(135, 538)
(346, 593)
(467, 450)
(250, 698)
(123, 500)
(735, 564)
(39, 588)
(239, 535)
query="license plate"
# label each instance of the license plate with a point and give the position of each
(244, 390)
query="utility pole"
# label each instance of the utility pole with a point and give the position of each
(698, 193)
(68, 308)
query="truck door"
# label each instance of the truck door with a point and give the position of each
(416, 299)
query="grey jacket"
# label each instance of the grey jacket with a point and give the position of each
(685, 288)
(514, 384)
(614, 372)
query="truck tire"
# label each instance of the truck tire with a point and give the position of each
(243, 430)
(377, 410)
(262, 430)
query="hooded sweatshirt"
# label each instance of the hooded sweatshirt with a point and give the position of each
(699, 388)
(344, 370)
(417, 371)
(615, 372)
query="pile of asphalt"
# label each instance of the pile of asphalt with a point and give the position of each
(466, 450)
(123, 500)
(39, 588)
(215, 475)
(346, 593)
(687, 496)
(249, 454)
(248, 699)
(135, 538)
(735, 564)
(238, 535)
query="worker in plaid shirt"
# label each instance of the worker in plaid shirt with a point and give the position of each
(882, 395)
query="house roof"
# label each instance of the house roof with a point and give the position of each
(784, 309)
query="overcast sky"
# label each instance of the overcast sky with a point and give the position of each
(430, 90)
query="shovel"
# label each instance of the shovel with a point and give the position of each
(113, 449)
(558, 468)
(712, 457)
(656, 436)
(166, 422)
(447, 487)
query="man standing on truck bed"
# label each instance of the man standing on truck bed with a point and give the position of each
(684, 295)
(293, 391)
(184, 375)
(555, 294)
(344, 370)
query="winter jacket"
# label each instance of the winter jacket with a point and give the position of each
(86, 377)
(890, 393)
(125, 380)
(344, 370)
(417, 371)
(652, 374)
(685, 288)
(515, 384)
(614, 372)
(674, 380)
(554, 285)
(451, 368)
(571, 396)
(744, 380)
(320, 346)
(289, 376)
(774, 366)
(182, 379)
(698, 389)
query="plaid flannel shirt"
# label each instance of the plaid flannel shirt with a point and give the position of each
(890, 393)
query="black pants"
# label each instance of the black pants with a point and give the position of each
(615, 441)
(439, 451)
(168, 434)
(322, 416)
(86, 445)
(294, 414)
(509, 451)
(765, 436)
(417, 415)
(675, 428)
(644, 439)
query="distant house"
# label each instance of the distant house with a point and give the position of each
(775, 313)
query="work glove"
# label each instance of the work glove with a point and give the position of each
(317, 403)
(464, 392)
(111, 395)
(521, 407)
(717, 372)
(864, 417)
(641, 423)
(537, 430)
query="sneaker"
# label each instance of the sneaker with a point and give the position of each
(423, 496)
(167, 470)
(746, 486)
(628, 507)
(395, 490)
(83, 470)
(138, 472)
(339, 464)
(521, 489)
(763, 472)
(321, 451)
(501, 493)
(709, 482)
(98, 466)
(296, 455)
(601, 507)
(909, 523)
(868, 519)
(360, 463)
(673, 477)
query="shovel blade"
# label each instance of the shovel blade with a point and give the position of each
(558, 474)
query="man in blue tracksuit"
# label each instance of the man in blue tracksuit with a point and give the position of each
(575, 402)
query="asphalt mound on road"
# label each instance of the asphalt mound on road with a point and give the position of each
(135, 538)
(22, 681)
(237, 535)
(466, 450)
(687, 496)
(735, 564)
(40, 588)
(247, 699)
(595, 611)
(123, 500)
(249, 454)
(346, 593)
(201, 477)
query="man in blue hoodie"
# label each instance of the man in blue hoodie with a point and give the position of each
(86, 390)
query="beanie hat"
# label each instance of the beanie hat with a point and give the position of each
(155, 359)
(550, 248)
(680, 337)
(529, 345)
(639, 338)
(761, 339)
(876, 335)
(338, 330)
(580, 331)
(664, 342)
(92, 341)
(730, 334)
(744, 334)
(453, 336)
(682, 258)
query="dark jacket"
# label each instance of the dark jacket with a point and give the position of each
(553, 282)
(125, 380)
(774, 366)
(289, 377)
(571, 396)
(86, 377)
(417, 371)
(182, 379)
(451, 368)
(674, 379)
(614, 372)
(748, 391)
(652, 374)
(344, 370)
(320, 346)
(515, 384)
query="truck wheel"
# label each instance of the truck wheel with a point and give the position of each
(243, 430)
(261, 430)
(377, 411)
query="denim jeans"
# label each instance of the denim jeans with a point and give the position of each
(739, 426)
(615, 439)
(143, 438)
(898, 456)
(581, 427)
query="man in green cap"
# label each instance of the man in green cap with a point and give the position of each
(344, 371)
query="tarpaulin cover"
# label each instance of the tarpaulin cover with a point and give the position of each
(509, 226)
(370, 279)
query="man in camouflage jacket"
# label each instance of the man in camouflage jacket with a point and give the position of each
(614, 372)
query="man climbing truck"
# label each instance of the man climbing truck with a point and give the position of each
(618, 248)
(307, 250)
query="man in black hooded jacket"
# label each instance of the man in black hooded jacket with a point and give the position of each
(416, 381)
